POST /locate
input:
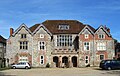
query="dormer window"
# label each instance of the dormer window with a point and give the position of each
(64, 27)
(23, 36)
(101, 36)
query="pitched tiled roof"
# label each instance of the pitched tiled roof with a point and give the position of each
(3, 40)
(34, 27)
(53, 26)
(91, 28)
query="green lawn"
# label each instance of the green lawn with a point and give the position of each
(6, 68)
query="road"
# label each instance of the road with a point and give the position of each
(91, 71)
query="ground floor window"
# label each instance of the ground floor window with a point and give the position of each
(101, 57)
(86, 59)
(23, 59)
(41, 59)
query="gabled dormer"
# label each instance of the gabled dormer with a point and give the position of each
(23, 29)
(87, 33)
(102, 33)
(42, 29)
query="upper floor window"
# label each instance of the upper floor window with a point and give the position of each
(24, 45)
(23, 36)
(101, 36)
(41, 35)
(42, 45)
(101, 46)
(86, 46)
(63, 27)
(86, 36)
(64, 40)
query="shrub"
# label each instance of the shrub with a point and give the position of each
(47, 65)
(88, 65)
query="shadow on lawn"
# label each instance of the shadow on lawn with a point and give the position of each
(2, 74)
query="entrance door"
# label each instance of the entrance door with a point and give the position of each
(55, 60)
(65, 61)
(74, 61)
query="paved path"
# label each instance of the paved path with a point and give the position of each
(59, 72)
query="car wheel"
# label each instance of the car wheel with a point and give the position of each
(14, 67)
(109, 68)
(26, 67)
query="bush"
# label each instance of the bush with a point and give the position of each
(48, 65)
(88, 65)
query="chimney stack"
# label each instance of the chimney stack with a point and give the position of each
(108, 30)
(11, 31)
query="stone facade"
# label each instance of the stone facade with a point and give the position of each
(60, 48)
(2, 51)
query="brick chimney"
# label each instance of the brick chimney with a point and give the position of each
(108, 30)
(11, 31)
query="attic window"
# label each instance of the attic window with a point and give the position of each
(23, 36)
(63, 27)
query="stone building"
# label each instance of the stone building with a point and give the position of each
(61, 43)
(2, 51)
(117, 51)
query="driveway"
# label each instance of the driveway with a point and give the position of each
(60, 72)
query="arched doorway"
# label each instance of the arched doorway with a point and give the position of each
(74, 61)
(55, 60)
(65, 61)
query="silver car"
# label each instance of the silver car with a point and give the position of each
(21, 65)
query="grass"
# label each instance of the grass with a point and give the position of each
(6, 68)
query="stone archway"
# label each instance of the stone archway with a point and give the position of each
(55, 60)
(65, 61)
(74, 61)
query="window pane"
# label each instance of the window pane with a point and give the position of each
(64, 40)
(86, 61)
(86, 46)
(86, 57)
(101, 57)
(24, 45)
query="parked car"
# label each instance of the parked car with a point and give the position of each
(21, 65)
(110, 64)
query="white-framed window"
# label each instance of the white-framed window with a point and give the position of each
(102, 57)
(86, 59)
(86, 36)
(41, 45)
(101, 36)
(24, 45)
(101, 46)
(23, 36)
(63, 27)
(42, 59)
(41, 35)
(64, 40)
(86, 46)
(23, 59)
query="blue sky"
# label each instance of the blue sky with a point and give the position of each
(93, 12)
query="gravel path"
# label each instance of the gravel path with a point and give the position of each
(59, 72)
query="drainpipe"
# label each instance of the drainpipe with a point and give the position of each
(93, 49)
(32, 51)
